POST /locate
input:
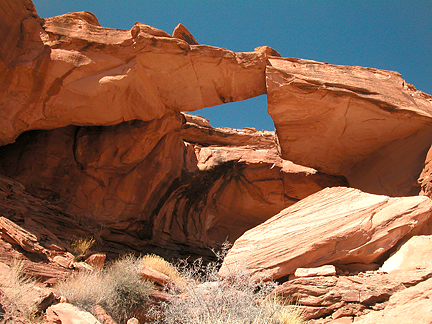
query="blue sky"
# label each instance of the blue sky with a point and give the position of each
(391, 35)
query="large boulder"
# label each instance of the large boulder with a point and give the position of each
(366, 124)
(334, 226)
(69, 70)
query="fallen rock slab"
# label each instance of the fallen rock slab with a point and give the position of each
(334, 226)
(326, 270)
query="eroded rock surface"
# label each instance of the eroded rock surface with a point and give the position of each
(69, 70)
(410, 306)
(334, 226)
(364, 123)
(343, 296)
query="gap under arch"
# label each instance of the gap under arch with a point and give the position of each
(246, 113)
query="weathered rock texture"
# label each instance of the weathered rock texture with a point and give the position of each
(410, 306)
(333, 226)
(69, 70)
(140, 184)
(344, 296)
(353, 121)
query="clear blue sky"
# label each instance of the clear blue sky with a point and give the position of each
(391, 35)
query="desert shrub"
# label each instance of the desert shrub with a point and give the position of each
(79, 246)
(20, 289)
(160, 264)
(236, 298)
(118, 289)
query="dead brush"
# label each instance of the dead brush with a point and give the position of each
(117, 288)
(20, 289)
(233, 299)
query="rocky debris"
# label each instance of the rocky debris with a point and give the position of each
(64, 313)
(325, 270)
(410, 306)
(336, 297)
(12, 233)
(334, 226)
(62, 65)
(353, 121)
(415, 254)
(96, 260)
(181, 32)
(151, 274)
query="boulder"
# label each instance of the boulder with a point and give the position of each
(69, 70)
(181, 32)
(416, 253)
(334, 226)
(366, 124)
(65, 313)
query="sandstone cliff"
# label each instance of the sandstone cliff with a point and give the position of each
(96, 142)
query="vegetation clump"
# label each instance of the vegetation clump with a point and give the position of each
(196, 295)
(118, 289)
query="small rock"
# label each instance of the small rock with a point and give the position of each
(326, 270)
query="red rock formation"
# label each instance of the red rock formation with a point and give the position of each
(333, 226)
(139, 183)
(343, 296)
(69, 70)
(366, 124)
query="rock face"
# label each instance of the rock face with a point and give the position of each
(352, 121)
(333, 226)
(416, 253)
(410, 306)
(198, 196)
(344, 296)
(69, 70)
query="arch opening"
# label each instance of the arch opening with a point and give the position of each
(246, 113)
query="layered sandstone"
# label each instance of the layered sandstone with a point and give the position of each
(148, 187)
(353, 121)
(69, 70)
(333, 226)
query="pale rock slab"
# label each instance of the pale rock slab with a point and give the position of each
(325, 270)
(364, 123)
(334, 226)
(415, 254)
(64, 313)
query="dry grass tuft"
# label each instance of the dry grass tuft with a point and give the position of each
(79, 246)
(118, 289)
(20, 289)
